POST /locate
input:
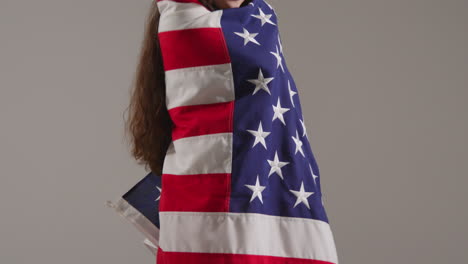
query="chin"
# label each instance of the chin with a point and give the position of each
(231, 3)
(235, 3)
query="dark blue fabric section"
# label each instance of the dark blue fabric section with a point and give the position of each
(249, 109)
(143, 197)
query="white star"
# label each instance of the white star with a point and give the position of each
(279, 43)
(298, 144)
(257, 190)
(313, 174)
(260, 135)
(279, 111)
(159, 193)
(261, 82)
(304, 128)
(279, 60)
(263, 17)
(248, 37)
(276, 165)
(291, 93)
(302, 196)
(251, 3)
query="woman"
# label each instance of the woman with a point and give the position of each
(216, 113)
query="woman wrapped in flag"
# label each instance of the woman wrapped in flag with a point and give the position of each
(215, 114)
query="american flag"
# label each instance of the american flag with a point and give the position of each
(140, 206)
(240, 183)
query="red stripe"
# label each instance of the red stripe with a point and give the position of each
(193, 47)
(196, 120)
(195, 193)
(166, 257)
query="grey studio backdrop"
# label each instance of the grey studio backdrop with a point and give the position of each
(384, 88)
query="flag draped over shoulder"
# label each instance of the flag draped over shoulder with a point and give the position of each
(240, 183)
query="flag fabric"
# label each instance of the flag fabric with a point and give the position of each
(140, 206)
(240, 183)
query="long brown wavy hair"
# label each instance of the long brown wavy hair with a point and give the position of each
(149, 126)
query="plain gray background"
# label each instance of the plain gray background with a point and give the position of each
(384, 88)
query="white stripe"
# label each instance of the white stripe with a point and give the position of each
(203, 154)
(199, 85)
(142, 224)
(247, 233)
(176, 16)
